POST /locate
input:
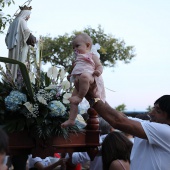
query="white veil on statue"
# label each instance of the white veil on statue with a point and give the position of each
(16, 38)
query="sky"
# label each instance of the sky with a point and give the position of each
(144, 24)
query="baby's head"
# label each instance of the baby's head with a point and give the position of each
(82, 43)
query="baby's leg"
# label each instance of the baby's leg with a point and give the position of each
(73, 112)
(72, 116)
(85, 80)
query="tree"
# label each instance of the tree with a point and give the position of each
(121, 108)
(4, 19)
(149, 108)
(59, 51)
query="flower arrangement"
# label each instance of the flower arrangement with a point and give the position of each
(35, 102)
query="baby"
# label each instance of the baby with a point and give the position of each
(86, 73)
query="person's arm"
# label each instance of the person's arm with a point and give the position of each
(40, 166)
(2, 165)
(98, 66)
(78, 157)
(118, 121)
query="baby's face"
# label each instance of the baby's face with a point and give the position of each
(79, 46)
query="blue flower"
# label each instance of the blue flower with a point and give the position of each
(15, 99)
(57, 108)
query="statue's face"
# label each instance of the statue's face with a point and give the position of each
(27, 18)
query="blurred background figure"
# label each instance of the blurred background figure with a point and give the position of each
(48, 163)
(84, 158)
(3, 149)
(116, 150)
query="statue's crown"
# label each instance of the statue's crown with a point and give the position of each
(25, 7)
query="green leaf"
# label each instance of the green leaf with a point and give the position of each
(11, 126)
(20, 125)
(24, 73)
(47, 80)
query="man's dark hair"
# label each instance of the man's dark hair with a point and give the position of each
(3, 141)
(164, 104)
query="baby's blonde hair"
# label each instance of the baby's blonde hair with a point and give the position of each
(86, 38)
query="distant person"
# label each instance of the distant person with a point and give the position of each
(143, 116)
(84, 157)
(3, 149)
(87, 72)
(151, 148)
(116, 149)
(38, 163)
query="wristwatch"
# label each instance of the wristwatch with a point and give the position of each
(93, 101)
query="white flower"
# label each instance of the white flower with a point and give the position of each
(1, 13)
(52, 72)
(42, 100)
(51, 86)
(62, 73)
(32, 77)
(65, 84)
(61, 50)
(56, 55)
(95, 48)
(7, 1)
(3, 20)
(29, 106)
(80, 122)
(42, 63)
(66, 96)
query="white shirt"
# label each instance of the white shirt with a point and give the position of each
(83, 157)
(154, 153)
(32, 161)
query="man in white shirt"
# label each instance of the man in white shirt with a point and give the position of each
(151, 149)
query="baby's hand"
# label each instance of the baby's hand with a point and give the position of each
(96, 73)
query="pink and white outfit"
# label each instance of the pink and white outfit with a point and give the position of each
(85, 63)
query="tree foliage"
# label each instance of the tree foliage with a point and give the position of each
(149, 108)
(121, 108)
(59, 51)
(4, 19)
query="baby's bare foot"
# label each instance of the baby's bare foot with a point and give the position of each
(75, 100)
(68, 123)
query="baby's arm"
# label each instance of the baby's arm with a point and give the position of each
(98, 66)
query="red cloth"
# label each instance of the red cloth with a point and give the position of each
(77, 167)
(56, 155)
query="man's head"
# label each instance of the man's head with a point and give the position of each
(104, 126)
(161, 110)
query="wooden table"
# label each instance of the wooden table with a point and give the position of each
(87, 140)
